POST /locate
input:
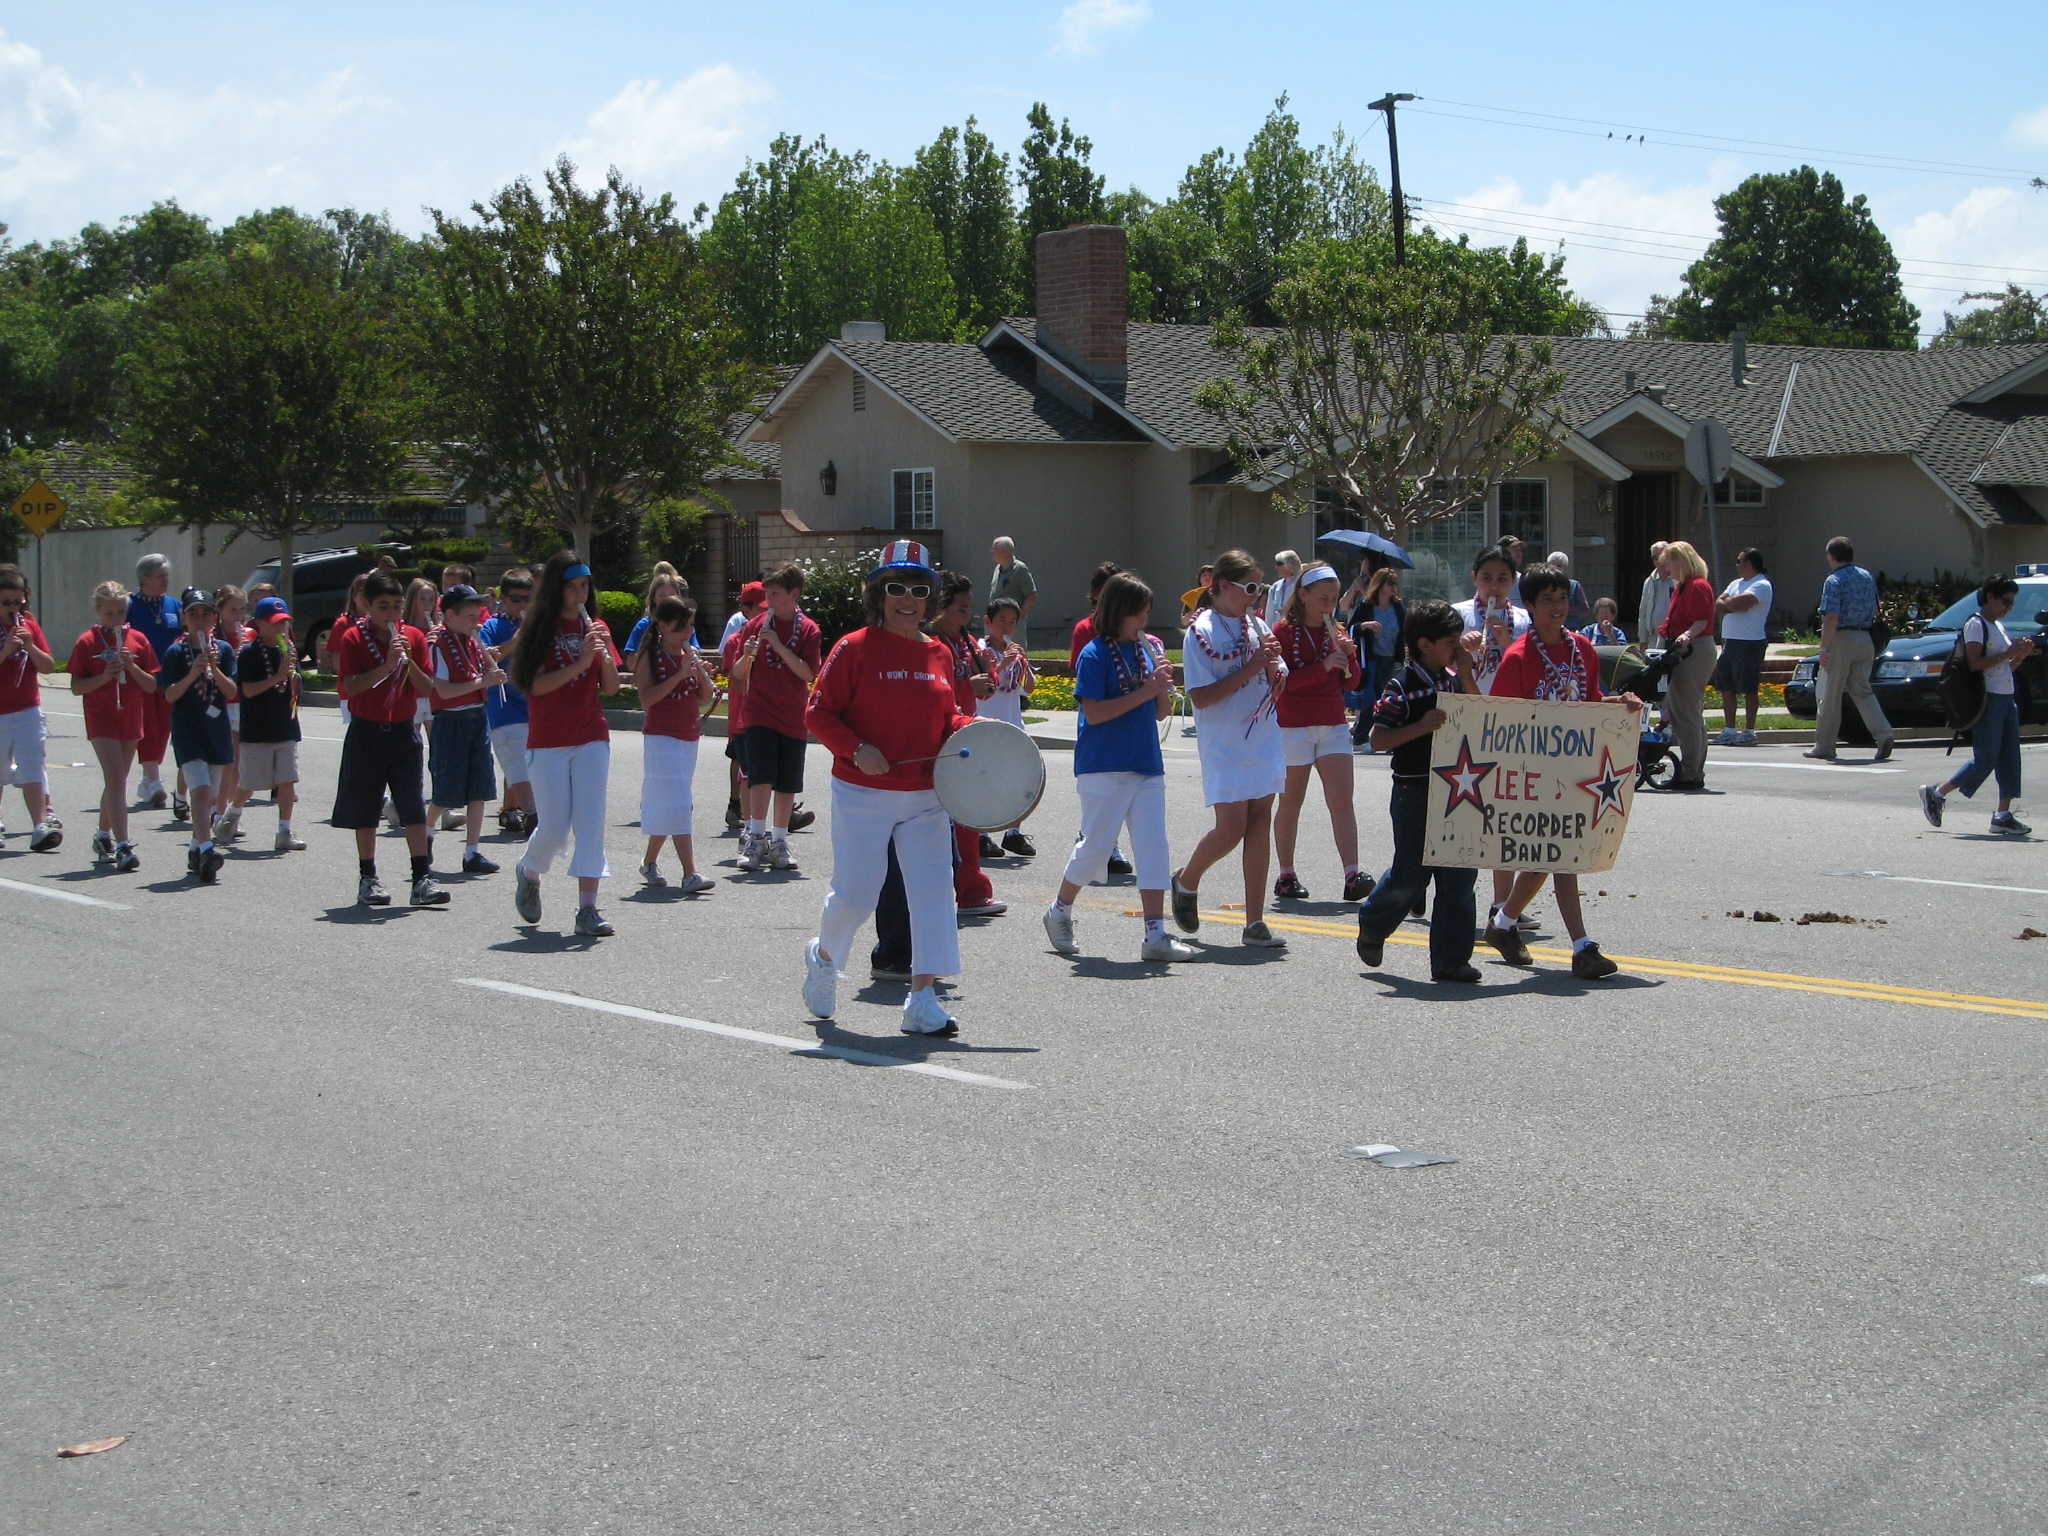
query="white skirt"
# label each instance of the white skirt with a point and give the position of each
(669, 766)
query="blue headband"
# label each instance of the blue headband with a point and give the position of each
(570, 573)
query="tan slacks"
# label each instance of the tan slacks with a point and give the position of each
(1847, 672)
(1687, 697)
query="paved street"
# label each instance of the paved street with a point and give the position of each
(371, 1222)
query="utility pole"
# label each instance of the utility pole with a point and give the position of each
(1386, 104)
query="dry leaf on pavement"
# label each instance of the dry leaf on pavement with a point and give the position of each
(90, 1447)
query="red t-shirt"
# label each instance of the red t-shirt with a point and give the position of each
(735, 695)
(1531, 670)
(103, 717)
(679, 714)
(21, 685)
(1084, 631)
(1314, 694)
(776, 696)
(1689, 604)
(391, 702)
(893, 693)
(570, 715)
(459, 658)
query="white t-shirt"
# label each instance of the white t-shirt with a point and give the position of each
(1488, 661)
(1007, 702)
(733, 626)
(1991, 634)
(1239, 735)
(1750, 623)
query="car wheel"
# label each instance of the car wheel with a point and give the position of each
(309, 652)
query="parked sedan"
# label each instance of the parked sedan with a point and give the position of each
(1906, 674)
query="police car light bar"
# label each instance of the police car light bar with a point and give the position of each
(2035, 568)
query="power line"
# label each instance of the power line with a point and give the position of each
(1682, 133)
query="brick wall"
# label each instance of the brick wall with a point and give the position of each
(1084, 299)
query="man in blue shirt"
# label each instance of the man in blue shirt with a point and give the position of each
(505, 705)
(160, 617)
(1848, 655)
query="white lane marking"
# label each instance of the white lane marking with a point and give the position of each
(56, 895)
(1967, 885)
(760, 1037)
(1720, 762)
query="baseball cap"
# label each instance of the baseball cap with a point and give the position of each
(753, 592)
(906, 555)
(459, 594)
(271, 608)
(194, 598)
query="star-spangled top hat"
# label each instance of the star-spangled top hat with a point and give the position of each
(908, 556)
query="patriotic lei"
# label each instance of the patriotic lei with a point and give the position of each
(768, 653)
(1562, 684)
(1251, 624)
(965, 649)
(464, 655)
(1126, 682)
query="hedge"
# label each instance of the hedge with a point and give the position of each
(620, 612)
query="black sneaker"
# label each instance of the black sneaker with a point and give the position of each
(1014, 841)
(426, 892)
(371, 893)
(1458, 975)
(990, 848)
(1119, 865)
(1884, 751)
(210, 861)
(1357, 887)
(1187, 907)
(799, 818)
(882, 970)
(1290, 888)
(1588, 964)
(733, 818)
(1932, 803)
(126, 859)
(1509, 942)
(474, 863)
(1421, 907)
(191, 861)
(1372, 951)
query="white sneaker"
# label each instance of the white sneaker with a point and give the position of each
(821, 983)
(452, 821)
(227, 826)
(753, 851)
(289, 841)
(1746, 739)
(653, 878)
(1727, 736)
(923, 1015)
(1060, 932)
(779, 856)
(1167, 947)
(697, 885)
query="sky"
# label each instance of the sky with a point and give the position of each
(1609, 128)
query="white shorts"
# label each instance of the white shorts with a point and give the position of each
(668, 767)
(1303, 744)
(267, 764)
(23, 734)
(1109, 803)
(508, 746)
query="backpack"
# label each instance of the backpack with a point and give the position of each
(1961, 690)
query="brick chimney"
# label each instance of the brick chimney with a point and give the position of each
(1084, 292)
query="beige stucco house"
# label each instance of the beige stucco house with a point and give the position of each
(1076, 433)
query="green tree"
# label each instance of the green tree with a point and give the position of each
(1388, 391)
(581, 365)
(1058, 188)
(2013, 316)
(963, 183)
(261, 394)
(1800, 262)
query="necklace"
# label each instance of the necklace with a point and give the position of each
(1319, 645)
(1565, 684)
(568, 646)
(1130, 675)
(465, 656)
(1240, 647)
(963, 648)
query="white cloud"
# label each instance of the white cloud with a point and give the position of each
(2030, 127)
(1084, 23)
(649, 130)
(1990, 236)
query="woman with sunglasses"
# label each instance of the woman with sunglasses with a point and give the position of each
(884, 706)
(1232, 666)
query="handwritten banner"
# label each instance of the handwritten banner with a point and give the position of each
(1515, 784)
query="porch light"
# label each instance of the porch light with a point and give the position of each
(828, 479)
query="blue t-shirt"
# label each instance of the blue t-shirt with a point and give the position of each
(503, 705)
(199, 717)
(1130, 742)
(161, 620)
(639, 633)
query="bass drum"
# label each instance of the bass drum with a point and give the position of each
(989, 776)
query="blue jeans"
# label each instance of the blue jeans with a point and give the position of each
(1994, 747)
(1452, 915)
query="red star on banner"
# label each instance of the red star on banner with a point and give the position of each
(1465, 776)
(1605, 788)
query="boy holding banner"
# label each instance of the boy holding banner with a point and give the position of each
(1554, 664)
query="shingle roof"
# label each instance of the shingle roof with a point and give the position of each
(2020, 456)
(979, 395)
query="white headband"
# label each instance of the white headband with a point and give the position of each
(1317, 572)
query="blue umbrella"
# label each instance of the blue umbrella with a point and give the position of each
(1358, 538)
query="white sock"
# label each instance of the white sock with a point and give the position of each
(283, 825)
(1062, 908)
(928, 990)
(1155, 928)
(1579, 944)
(756, 826)
(780, 834)
(1502, 921)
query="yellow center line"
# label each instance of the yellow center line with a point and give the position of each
(1689, 970)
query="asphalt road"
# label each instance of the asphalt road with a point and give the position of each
(1746, 1240)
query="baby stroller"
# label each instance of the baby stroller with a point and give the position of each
(1626, 669)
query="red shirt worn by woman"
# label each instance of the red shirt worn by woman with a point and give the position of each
(1693, 601)
(1314, 694)
(570, 715)
(678, 713)
(895, 694)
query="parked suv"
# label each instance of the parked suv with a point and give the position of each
(320, 582)
(1906, 674)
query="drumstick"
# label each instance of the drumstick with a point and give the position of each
(897, 762)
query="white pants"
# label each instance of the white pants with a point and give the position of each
(508, 745)
(569, 785)
(668, 767)
(1109, 803)
(864, 821)
(23, 735)
(1301, 745)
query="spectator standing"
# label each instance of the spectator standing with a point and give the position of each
(1013, 579)
(1848, 613)
(1656, 598)
(1581, 608)
(1376, 626)
(1287, 576)
(1689, 628)
(1744, 610)
(1995, 738)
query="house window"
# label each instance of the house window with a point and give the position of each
(1525, 513)
(916, 504)
(1442, 550)
(1738, 492)
(860, 393)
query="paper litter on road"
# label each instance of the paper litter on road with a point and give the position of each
(1390, 1156)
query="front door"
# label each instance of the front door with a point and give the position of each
(1645, 513)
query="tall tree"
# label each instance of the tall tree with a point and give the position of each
(1390, 392)
(261, 395)
(2010, 316)
(1798, 261)
(963, 182)
(581, 365)
(1058, 188)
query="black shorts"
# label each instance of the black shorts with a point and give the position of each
(1741, 666)
(376, 758)
(773, 759)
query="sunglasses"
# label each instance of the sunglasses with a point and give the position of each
(518, 597)
(1252, 589)
(907, 589)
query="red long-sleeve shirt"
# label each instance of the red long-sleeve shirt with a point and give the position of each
(1314, 694)
(1693, 601)
(895, 694)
